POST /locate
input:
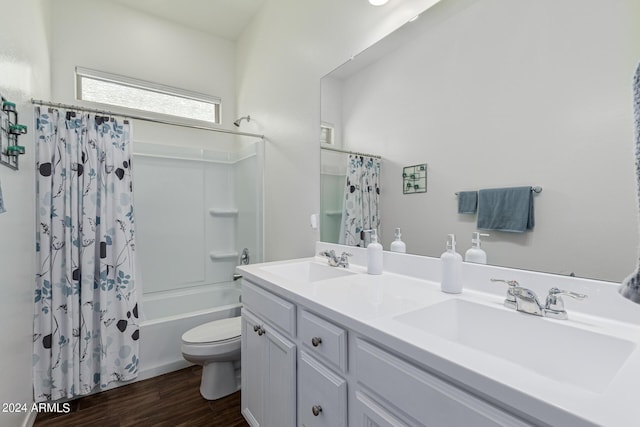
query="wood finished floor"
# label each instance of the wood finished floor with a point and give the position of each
(170, 400)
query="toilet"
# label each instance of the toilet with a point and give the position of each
(215, 346)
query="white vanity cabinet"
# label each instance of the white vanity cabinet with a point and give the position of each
(304, 368)
(340, 347)
(268, 367)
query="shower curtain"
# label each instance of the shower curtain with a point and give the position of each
(85, 332)
(630, 287)
(360, 209)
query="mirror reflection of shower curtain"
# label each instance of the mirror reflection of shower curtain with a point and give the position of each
(361, 201)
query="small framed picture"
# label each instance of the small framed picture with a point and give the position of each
(414, 179)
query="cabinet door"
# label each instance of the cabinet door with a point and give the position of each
(252, 369)
(268, 371)
(323, 395)
(280, 380)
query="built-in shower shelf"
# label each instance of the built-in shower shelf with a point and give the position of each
(223, 212)
(333, 213)
(222, 255)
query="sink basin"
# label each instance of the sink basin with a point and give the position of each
(307, 271)
(558, 351)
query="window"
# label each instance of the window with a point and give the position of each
(326, 133)
(133, 94)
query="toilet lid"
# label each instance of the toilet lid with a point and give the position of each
(218, 330)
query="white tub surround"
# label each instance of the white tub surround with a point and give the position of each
(398, 345)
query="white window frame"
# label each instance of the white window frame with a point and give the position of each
(327, 131)
(81, 73)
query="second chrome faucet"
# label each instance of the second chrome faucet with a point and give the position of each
(526, 301)
(333, 259)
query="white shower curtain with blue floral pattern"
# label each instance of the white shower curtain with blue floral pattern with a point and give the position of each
(360, 209)
(86, 315)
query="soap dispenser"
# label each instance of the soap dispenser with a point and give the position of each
(451, 268)
(374, 255)
(475, 253)
(398, 245)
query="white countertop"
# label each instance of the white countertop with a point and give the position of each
(368, 305)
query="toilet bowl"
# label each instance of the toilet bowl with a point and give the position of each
(215, 346)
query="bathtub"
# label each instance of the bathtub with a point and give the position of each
(167, 315)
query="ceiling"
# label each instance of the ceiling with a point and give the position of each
(222, 18)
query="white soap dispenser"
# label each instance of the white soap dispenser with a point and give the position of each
(451, 268)
(475, 253)
(374, 255)
(398, 245)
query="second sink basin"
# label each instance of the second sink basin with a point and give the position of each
(307, 271)
(561, 352)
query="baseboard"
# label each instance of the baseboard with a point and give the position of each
(161, 370)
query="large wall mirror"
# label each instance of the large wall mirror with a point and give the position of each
(497, 93)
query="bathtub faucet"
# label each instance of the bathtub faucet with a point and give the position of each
(244, 258)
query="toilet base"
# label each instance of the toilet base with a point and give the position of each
(218, 380)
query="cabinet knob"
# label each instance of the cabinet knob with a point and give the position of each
(261, 331)
(255, 328)
(316, 341)
(316, 409)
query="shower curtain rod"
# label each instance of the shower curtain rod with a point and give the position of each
(375, 156)
(144, 118)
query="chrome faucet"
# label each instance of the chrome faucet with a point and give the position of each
(333, 259)
(521, 299)
(526, 300)
(510, 300)
(554, 306)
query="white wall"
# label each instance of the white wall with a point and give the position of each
(283, 54)
(109, 37)
(503, 94)
(24, 73)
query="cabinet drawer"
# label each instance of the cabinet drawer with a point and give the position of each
(322, 401)
(370, 414)
(324, 339)
(423, 396)
(272, 308)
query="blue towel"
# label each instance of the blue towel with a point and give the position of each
(506, 209)
(467, 202)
